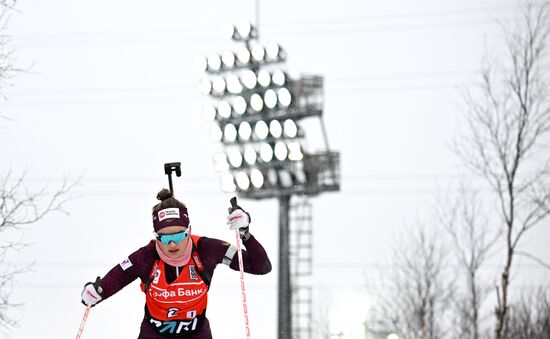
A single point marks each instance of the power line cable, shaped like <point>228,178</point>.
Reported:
<point>205,178</point>
<point>187,96</point>
<point>201,36</point>
<point>183,87</point>
<point>284,23</point>
<point>400,16</point>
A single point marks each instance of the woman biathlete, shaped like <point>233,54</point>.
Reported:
<point>176,269</point>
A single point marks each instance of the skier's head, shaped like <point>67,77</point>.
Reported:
<point>169,212</point>
<point>171,224</point>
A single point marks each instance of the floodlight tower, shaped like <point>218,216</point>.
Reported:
<point>257,113</point>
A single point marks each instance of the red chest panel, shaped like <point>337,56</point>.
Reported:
<point>185,298</point>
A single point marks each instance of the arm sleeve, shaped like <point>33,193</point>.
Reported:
<point>255,259</point>
<point>137,265</point>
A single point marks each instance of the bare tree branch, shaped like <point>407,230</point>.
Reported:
<point>8,69</point>
<point>509,121</point>
<point>466,223</point>
<point>534,258</point>
<point>419,290</point>
<point>530,316</point>
<point>21,206</point>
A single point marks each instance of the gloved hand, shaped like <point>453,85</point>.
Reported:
<point>91,294</point>
<point>238,219</point>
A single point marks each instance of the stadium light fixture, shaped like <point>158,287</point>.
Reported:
<point>250,154</point>
<point>214,62</point>
<point>234,85</point>
<point>218,85</point>
<point>281,152</point>
<point>257,113</point>
<point>205,86</point>
<point>275,129</point>
<point>261,130</point>
<point>224,109</point>
<point>270,98</point>
<point>230,133</point>
<point>235,157</point>
<point>239,105</point>
<point>257,178</point>
<point>279,78</point>
<point>216,133</point>
<point>290,129</point>
<point>264,78</point>
<point>243,182</point>
<point>245,131</point>
<point>258,52</point>
<point>201,63</point>
<point>266,152</point>
<point>243,56</point>
<point>209,112</point>
<point>256,102</point>
<point>220,162</point>
<point>228,59</point>
<point>249,79</point>
<point>284,96</point>
<point>244,28</point>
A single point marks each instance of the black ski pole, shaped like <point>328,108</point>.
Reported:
<point>168,169</point>
<point>233,202</point>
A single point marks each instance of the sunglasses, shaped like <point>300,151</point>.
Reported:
<point>175,237</point>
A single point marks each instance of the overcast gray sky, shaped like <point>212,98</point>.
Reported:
<point>112,95</point>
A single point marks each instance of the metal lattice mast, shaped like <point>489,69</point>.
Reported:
<point>301,253</point>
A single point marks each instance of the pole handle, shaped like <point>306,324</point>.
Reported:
<point>233,203</point>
